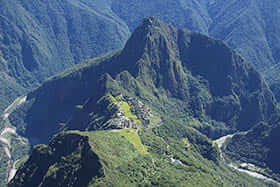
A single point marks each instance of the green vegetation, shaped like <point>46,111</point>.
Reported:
<point>132,136</point>
<point>47,46</point>
<point>157,78</point>
<point>123,165</point>
<point>19,150</point>
<point>34,46</point>
<point>124,108</point>
<point>179,90</point>
<point>259,146</point>
<point>60,165</point>
<point>38,56</point>
<point>8,92</point>
<point>154,120</point>
<point>3,169</point>
<point>271,76</point>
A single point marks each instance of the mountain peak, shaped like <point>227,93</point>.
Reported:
<point>150,21</point>
<point>205,76</point>
<point>146,31</point>
<point>152,39</point>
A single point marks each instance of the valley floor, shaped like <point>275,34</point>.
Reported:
<point>221,142</point>
<point>6,137</point>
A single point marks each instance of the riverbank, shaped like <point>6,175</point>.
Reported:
<point>236,166</point>
<point>7,134</point>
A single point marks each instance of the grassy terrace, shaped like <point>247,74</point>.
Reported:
<point>132,136</point>
<point>116,148</point>
<point>124,108</point>
<point>126,163</point>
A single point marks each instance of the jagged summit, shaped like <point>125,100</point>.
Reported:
<point>170,69</point>
<point>164,90</point>
<point>151,34</point>
<point>151,21</point>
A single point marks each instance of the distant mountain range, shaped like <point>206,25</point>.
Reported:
<point>150,102</point>
<point>39,39</point>
<point>163,94</point>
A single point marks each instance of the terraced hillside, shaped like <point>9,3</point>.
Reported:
<point>41,38</point>
<point>159,100</point>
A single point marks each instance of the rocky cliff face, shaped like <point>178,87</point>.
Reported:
<point>145,104</point>
<point>38,39</point>
<point>68,160</point>
<point>249,27</point>
<point>169,154</point>
<point>160,64</point>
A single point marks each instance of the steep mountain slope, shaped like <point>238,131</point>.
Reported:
<point>111,158</point>
<point>182,14</point>
<point>165,68</point>
<point>40,38</point>
<point>74,151</point>
<point>9,87</point>
<point>163,85</point>
<point>259,146</point>
<point>250,26</point>
<point>271,76</point>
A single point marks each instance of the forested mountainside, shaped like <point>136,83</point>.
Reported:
<point>218,85</point>
<point>250,26</point>
<point>158,101</point>
<point>259,147</point>
<point>272,77</point>
<point>40,38</point>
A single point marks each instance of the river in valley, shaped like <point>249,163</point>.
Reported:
<point>6,133</point>
<point>220,143</point>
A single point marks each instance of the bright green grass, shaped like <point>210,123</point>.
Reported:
<point>125,166</point>
<point>132,136</point>
<point>154,120</point>
<point>124,108</point>
<point>113,99</point>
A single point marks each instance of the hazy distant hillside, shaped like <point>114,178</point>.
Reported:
<point>143,115</point>
<point>218,87</point>
<point>40,38</point>
<point>250,26</point>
